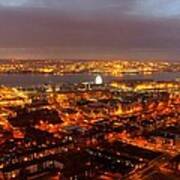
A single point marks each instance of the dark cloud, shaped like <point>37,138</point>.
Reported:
<point>90,28</point>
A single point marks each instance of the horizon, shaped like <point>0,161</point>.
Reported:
<point>146,60</point>
<point>37,54</point>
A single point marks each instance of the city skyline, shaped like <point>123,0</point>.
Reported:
<point>90,29</point>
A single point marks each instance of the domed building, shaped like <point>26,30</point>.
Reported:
<point>96,84</point>
<point>98,80</point>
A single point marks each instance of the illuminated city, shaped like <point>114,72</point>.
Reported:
<point>120,128</point>
<point>89,90</point>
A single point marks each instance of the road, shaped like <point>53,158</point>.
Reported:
<point>149,168</point>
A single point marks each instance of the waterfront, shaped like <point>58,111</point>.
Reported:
<point>29,79</point>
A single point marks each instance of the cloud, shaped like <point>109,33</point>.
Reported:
<point>87,26</point>
<point>157,8</point>
<point>138,7</point>
<point>13,3</point>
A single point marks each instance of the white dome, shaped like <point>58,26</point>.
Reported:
<point>98,80</point>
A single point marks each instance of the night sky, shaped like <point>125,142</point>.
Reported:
<point>90,28</point>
